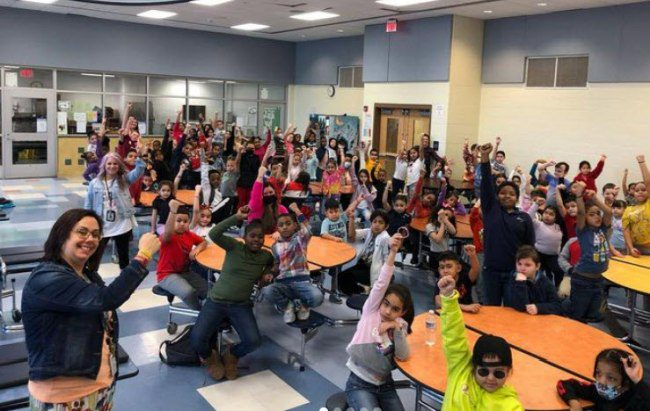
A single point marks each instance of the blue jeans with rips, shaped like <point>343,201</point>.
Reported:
<point>301,293</point>
<point>363,396</point>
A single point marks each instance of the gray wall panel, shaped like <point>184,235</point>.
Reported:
<point>375,54</point>
<point>77,42</point>
<point>615,38</point>
<point>317,62</point>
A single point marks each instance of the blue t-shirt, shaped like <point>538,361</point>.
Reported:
<point>594,258</point>
<point>336,228</point>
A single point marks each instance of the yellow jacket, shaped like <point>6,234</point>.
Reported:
<point>463,392</point>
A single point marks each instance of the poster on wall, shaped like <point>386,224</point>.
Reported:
<point>271,117</point>
<point>340,127</point>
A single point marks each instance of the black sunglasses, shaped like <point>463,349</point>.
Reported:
<point>484,372</point>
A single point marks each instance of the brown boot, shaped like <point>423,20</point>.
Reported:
<point>230,363</point>
<point>215,366</point>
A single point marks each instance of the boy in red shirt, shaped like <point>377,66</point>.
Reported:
<point>176,251</point>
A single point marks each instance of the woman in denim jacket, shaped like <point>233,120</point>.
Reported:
<point>71,327</point>
<point>108,196</point>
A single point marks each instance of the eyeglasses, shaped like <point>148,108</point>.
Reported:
<point>85,233</point>
<point>484,372</point>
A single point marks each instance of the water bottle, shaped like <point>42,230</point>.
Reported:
<point>431,328</point>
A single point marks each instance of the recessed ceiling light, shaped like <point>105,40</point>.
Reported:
<point>250,27</point>
<point>209,2</point>
<point>302,35</point>
<point>487,11</point>
<point>402,3</point>
<point>314,15</point>
<point>42,1</point>
<point>156,14</point>
<point>542,4</point>
<point>339,31</point>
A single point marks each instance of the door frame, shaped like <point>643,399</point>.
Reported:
<point>8,169</point>
<point>377,115</point>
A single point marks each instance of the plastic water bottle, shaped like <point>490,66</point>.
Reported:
<point>431,328</point>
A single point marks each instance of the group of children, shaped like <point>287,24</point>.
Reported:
<point>541,243</point>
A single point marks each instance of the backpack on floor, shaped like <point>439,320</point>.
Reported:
<point>179,351</point>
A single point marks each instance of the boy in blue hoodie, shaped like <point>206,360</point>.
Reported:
<point>530,290</point>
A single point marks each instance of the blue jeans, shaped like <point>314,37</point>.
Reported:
<point>213,314</point>
<point>495,286</point>
<point>363,396</point>
<point>189,287</point>
<point>307,294</point>
<point>585,299</point>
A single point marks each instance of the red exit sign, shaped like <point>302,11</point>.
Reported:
<point>391,26</point>
<point>26,73</point>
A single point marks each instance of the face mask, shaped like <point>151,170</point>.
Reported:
<point>607,392</point>
<point>269,200</point>
<point>347,164</point>
<point>249,151</point>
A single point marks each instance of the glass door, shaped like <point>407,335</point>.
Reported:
<point>29,133</point>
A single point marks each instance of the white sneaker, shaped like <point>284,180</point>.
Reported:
<point>302,313</point>
<point>289,314</point>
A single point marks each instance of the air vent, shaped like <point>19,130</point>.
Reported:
<point>351,77</point>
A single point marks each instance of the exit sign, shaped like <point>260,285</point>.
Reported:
<point>391,26</point>
<point>26,73</point>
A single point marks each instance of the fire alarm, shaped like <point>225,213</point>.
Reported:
<point>365,109</point>
<point>391,26</point>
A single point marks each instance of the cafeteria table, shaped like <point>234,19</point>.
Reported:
<point>533,379</point>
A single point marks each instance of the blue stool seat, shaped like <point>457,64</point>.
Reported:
<point>158,290</point>
<point>356,301</point>
<point>315,320</point>
<point>308,329</point>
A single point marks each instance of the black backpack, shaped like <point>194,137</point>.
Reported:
<point>179,351</point>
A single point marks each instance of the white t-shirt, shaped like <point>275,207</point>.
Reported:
<point>120,225</point>
<point>203,232</point>
<point>413,172</point>
<point>401,167</point>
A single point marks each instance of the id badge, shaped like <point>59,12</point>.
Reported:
<point>110,216</point>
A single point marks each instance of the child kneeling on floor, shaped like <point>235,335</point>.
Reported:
<point>475,380</point>
<point>292,290</point>
<point>380,337</point>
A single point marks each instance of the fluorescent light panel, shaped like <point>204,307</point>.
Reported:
<point>42,1</point>
<point>250,27</point>
<point>314,15</point>
<point>156,14</point>
<point>403,3</point>
<point>210,2</point>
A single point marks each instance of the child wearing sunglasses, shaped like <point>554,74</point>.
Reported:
<point>618,386</point>
<point>380,337</point>
<point>476,380</point>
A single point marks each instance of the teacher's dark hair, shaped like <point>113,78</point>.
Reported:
<point>60,233</point>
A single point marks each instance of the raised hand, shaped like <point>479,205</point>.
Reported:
<point>173,205</point>
<point>486,149</point>
<point>633,368</point>
<point>447,285</point>
<point>470,250</point>
<point>148,245</point>
<point>242,213</point>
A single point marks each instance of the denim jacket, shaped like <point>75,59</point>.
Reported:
<point>63,318</point>
<point>95,198</point>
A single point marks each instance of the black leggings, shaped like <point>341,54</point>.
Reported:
<point>552,268</point>
<point>122,245</point>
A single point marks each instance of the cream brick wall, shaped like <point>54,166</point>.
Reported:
<point>570,124</point>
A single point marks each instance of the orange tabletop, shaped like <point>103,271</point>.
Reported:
<point>212,257</point>
<point>533,379</point>
<point>633,277</point>
<point>462,219</point>
<point>324,253</point>
<point>643,261</point>
<point>315,188</point>
<point>463,231</point>
<point>184,196</point>
<point>562,341</point>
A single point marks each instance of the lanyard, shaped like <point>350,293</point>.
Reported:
<point>109,191</point>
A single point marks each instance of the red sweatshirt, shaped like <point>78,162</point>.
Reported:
<point>415,206</point>
<point>476,224</point>
<point>590,179</point>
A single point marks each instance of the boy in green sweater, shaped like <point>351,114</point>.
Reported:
<point>244,265</point>
<point>475,380</point>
